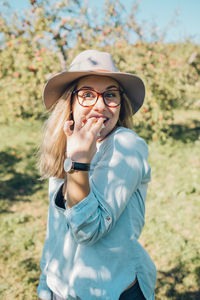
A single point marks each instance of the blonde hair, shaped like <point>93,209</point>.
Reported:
<point>52,151</point>
<point>53,146</point>
<point>126,113</point>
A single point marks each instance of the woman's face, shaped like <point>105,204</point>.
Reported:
<point>100,109</point>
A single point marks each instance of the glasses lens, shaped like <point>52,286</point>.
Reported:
<point>112,97</point>
<point>87,97</point>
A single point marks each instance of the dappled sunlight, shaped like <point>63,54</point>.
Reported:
<point>38,43</point>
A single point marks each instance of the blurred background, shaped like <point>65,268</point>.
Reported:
<point>160,42</point>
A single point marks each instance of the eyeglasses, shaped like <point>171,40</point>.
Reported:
<point>89,97</point>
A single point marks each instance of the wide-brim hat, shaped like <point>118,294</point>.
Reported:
<point>93,62</point>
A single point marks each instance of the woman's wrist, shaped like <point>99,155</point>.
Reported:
<point>80,157</point>
<point>77,187</point>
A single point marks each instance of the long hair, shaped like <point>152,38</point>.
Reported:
<point>52,152</point>
<point>53,147</point>
<point>126,113</point>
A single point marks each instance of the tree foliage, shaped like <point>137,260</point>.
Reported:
<point>47,36</point>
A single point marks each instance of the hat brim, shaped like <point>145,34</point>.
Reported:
<point>131,84</point>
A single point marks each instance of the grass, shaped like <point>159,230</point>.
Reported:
<point>23,206</point>
<point>172,225</point>
<point>171,234</point>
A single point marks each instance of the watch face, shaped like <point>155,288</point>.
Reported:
<point>67,164</point>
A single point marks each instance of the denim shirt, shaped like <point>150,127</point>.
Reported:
<point>91,250</point>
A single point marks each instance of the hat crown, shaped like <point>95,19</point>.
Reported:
<point>93,60</point>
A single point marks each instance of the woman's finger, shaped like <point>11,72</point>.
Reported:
<point>99,126</point>
<point>102,127</point>
<point>67,129</point>
<point>95,125</point>
<point>80,123</point>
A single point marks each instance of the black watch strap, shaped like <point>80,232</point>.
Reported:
<point>80,166</point>
<point>70,165</point>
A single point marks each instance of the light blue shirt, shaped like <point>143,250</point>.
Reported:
<point>91,250</point>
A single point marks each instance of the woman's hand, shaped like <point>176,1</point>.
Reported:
<point>81,147</point>
<point>81,141</point>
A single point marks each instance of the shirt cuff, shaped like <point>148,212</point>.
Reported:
<point>82,211</point>
<point>44,293</point>
<point>81,218</point>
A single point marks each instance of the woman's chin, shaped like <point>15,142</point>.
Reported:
<point>104,133</point>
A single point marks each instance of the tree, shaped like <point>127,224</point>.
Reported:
<point>43,41</point>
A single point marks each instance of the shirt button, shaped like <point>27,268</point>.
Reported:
<point>108,218</point>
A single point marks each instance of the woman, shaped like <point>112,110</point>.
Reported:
<point>98,174</point>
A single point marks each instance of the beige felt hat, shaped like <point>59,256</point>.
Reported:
<point>93,62</point>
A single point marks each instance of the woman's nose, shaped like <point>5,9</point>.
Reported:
<point>100,105</point>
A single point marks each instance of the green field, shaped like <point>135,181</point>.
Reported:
<point>171,234</point>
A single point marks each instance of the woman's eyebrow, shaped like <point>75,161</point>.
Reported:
<point>107,88</point>
<point>112,86</point>
<point>86,87</point>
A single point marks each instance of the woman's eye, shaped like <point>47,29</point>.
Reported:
<point>110,95</point>
<point>88,95</point>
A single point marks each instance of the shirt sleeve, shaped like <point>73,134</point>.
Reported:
<point>43,290</point>
<point>123,167</point>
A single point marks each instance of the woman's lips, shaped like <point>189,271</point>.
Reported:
<point>104,121</point>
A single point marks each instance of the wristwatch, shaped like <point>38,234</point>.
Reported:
<point>70,165</point>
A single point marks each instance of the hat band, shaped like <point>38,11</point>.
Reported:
<point>99,70</point>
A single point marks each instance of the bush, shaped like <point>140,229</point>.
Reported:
<point>168,77</point>
<point>24,69</point>
<point>40,45</point>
